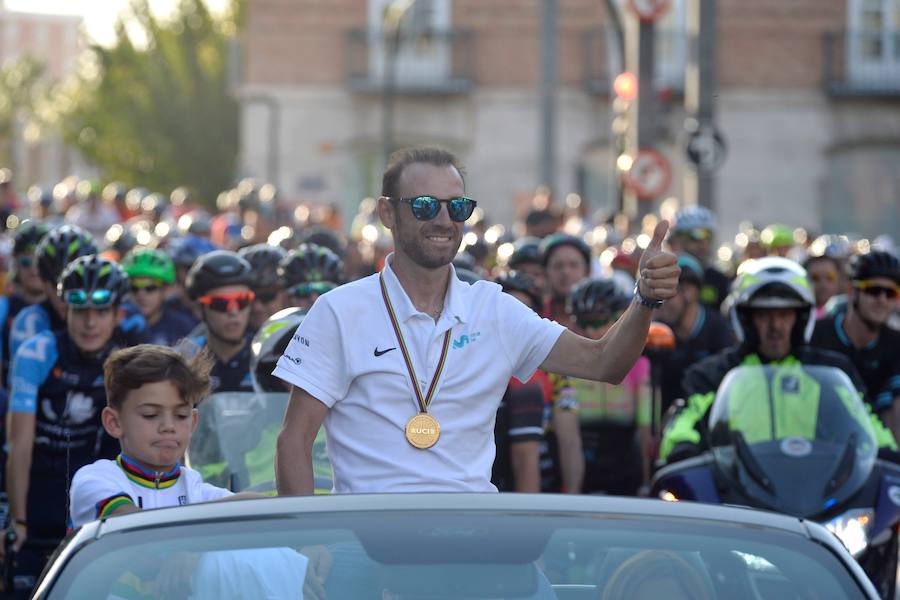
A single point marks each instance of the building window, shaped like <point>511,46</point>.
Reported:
<point>671,44</point>
<point>873,40</point>
<point>422,54</point>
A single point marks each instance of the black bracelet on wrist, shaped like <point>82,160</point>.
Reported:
<point>643,301</point>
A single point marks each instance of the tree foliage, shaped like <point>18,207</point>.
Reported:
<point>160,114</point>
<point>22,90</point>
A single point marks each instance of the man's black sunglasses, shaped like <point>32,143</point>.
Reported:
<point>425,208</point>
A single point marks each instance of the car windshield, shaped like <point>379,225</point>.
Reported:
<point>234,444</point>
<point>795,438</point>
<point>431,554</point>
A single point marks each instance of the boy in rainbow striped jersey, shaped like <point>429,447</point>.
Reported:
<point>151,393</point>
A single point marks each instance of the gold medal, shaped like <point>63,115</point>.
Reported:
<point>423,431</point>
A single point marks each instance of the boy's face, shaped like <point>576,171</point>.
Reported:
<point>154,425</point>
<point>148,295</point>
<point>91,328</point>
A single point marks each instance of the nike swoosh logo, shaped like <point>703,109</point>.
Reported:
<point>380,352</point>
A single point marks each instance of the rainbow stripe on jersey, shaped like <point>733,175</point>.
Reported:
<point>155,480</point>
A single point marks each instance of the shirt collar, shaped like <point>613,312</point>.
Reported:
<point>454,300</point>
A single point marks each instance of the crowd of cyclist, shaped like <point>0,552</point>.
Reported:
<point>91,269</point>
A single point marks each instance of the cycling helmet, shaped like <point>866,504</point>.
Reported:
<point>830,246</point>
<point>185,251</point>
<point>514,281</point>
<point>84,280</point>
<point>196,222</point>
<point>264,259</point>
<point>526,251</point>
<point>557,240</point>
<point>694,217</point>
<point>327,238</point>
<point>119,239</point>
<point>217,269</point>
<point>40,196</point>
<point>60,247</point>
<point>28,235</point>
<point>596,296</point>
<point>691,270</point>
<point>309,263</point>
<point>147,262</point>
<point>875,264</point>
<point>777,236</point>
<point>269,344</point>
<point>771,282</point>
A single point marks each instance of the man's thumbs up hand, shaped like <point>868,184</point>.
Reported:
<point>658,269</point>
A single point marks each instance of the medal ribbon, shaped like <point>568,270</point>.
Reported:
<point>423,401</point>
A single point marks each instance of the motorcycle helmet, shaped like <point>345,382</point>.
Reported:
<point>264,259</point>
<point>28,235</point>
<point>217,269</point>
<point>771,282</point>
<point>91,281</point>
<point>309,263</point>
<point>514,281</point>
<point>150,263</point>
<point>596,296</point>
<point>875,264</point>
<point>269,344</point>
<point>60,247</point>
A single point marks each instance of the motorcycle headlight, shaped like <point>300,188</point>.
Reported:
<point>852,528</point>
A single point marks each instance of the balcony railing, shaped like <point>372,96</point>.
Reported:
<point>861,63</point>
<point>671,58</point>
<point>436,62</point>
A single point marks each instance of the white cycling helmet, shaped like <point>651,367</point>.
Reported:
<point>694,217</point>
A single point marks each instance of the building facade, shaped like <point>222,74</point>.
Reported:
<point>808,101</point>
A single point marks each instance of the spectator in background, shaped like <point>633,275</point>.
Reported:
<point>267,284</point>
<point>91,213</point>
<point>9,201</point>
<point>528,260</point>
<point>567,262</point>
<point>825,277</point>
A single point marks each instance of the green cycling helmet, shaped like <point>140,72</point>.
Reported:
<point>150,263</point>
<point>777,236</point>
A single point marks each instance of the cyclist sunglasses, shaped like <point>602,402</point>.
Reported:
<point>144,286</point>
<point>227,302</point>
<point>85,299</point>
<point>425,208</point>
<point>871,288</point>
<point>25,260</point>
<point>828,276</point>
<point>305,290</point>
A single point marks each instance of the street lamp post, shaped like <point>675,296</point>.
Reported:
<point>393,18</point>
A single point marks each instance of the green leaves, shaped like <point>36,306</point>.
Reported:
<point>159,114</point>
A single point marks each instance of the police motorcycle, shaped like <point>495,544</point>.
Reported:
<point>798,440</point>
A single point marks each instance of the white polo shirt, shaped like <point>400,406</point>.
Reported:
<point>333,357</point>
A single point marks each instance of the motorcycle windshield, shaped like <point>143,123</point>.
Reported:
<point>792,438</point>
<point>234,444</point>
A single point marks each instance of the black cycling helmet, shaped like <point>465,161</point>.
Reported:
<point>875,264</point>
<point>309,263</point>
<point>60,247</point>
<point>514,281</point>
<point>327,238</point>
<point>269,344</point>
<point>594,296</point>
<point>28,235</point>
<point>557,240</point>
<point>217,269</point>
<point>526,251</point>
<point>91,281</point>
<point>264,259</point>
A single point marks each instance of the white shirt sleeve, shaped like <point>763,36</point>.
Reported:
<point>315,360</point>
<point>200,491</point>
<point>95,493</point>
<point>527,339</point>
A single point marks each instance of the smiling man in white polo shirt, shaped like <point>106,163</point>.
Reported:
<point>407,368</point>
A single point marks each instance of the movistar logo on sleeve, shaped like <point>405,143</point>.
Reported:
<point>466,339</point>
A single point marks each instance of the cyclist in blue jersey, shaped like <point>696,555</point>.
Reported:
<point>56,400</point>
<point>264,259</point>
<point>150,272</point>
<point>219,282</point>
<point>56,249</point>
<point>308,272</point>
<point>28,288</point>
<point>184,252</point>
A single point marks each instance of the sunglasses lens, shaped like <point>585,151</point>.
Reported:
<point>25,261</point>
<point>889,293</point>
<point>97,298</point>
<point>76,297</point>
<point>425,208</point>
<point>144,288</point>
<point>228,302</point>
<point>460,209</point>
